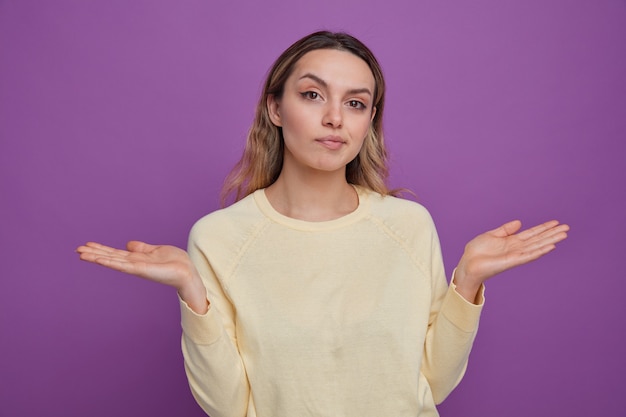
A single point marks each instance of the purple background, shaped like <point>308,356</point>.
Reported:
<point>119,120</point>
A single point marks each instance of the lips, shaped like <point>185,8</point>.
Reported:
<point>331,142</point>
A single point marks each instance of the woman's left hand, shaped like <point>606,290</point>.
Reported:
<point>503,248</point>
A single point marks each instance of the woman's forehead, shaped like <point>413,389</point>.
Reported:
<point>334,67</point>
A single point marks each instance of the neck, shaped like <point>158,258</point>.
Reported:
<point>319,196</point>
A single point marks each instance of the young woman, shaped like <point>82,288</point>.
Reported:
<point>319,293</point>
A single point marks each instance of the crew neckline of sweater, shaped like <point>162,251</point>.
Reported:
<point>269,211</point>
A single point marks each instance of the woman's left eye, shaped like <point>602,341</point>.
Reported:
<point>356,104</point>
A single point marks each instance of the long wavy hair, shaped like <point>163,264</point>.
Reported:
<point>262,159</point>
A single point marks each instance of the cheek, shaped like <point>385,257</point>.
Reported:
<point>295,121</point>
<point>363,129</point>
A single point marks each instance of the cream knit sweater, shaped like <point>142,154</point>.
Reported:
<point>351,317</point>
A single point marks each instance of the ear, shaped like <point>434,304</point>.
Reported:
<point>373,114</point>
<point>273,105</point>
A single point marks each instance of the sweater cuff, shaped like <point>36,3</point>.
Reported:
<point>203,329</point>
<point>460,312</point>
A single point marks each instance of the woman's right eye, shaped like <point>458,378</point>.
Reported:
<point>311,95</point>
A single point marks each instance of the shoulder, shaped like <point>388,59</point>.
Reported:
<point>232,220</point>
<point>406,221</point>
<point>398,211</point>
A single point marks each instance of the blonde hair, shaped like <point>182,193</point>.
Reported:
<point>262,158</point>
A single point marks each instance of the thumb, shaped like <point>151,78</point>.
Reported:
<point>137,246</point>
<point>507,229</point>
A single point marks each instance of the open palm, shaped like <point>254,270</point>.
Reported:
<point>503,248</point>
<point>160,263</point>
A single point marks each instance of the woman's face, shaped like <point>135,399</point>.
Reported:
<point>325,110</point>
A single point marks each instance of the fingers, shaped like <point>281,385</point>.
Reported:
<point>550,238</point>
<point>536,230</point>
<point>540,240</point>
<point>107,256</point>
<point>547,230</point>
<point>91,250</point>
<point>163,264</point>
<point>101,254</point>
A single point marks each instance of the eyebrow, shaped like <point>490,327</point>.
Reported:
<point>325,84</point>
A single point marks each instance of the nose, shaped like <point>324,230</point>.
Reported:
<point>333,116</point>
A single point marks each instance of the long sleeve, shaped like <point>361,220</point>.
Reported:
<point>448,344</point>
<point>213,364</point>
<point>451,331</point>
<point>350,317</point>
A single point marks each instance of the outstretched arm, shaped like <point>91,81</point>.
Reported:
<point>159,263</point>
<point>501,249</point>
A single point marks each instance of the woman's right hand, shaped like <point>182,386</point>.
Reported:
<point>159,263</point>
